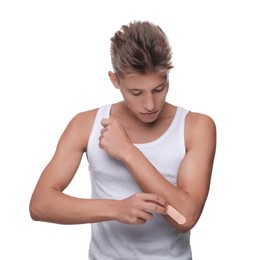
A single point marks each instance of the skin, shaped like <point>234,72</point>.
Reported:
<point>142,116</point>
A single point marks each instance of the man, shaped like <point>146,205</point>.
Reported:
<point>150,161</point>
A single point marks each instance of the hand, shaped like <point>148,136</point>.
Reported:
<point>137,208</point>
<point>113,139</point>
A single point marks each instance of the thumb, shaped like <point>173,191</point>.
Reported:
<point>106,122</point>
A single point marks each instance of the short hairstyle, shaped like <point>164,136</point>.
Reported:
<point>140,47</point>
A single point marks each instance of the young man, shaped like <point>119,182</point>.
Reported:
<point>150,161</point>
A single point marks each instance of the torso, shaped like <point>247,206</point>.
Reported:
<point>112,180</point>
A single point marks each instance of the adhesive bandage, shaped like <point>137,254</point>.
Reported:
<point>174,214</point>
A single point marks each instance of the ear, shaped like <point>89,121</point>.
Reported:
<point>113,78</point>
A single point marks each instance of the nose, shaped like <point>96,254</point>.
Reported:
<point>149,103</point>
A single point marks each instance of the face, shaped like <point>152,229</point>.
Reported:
<point>144,95</point>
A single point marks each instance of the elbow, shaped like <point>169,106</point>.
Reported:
<point>187,226</point>
<point>36,210</point>
<point>191,217</point>
<point>189,223</point>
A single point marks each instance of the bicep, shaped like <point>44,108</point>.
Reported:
<point>63,166</point>
<point>196,169</point>
<point>61,169</point>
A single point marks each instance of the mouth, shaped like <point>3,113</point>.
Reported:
<point>149,114</point>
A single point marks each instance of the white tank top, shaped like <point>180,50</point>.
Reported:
<point>110,179</point>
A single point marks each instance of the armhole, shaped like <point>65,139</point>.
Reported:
<point>185,112</point>
<point>102,112</point>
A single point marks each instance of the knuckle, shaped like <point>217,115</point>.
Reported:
<point>157,197</point>
<point>154,207</point>
<point>138,195</point>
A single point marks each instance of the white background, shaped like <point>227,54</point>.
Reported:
<point>54,59</point>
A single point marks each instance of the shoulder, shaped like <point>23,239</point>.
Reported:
<point>85,117</point>
<point>195,119</point>
<point>200,127</point>
<point>79,128</point>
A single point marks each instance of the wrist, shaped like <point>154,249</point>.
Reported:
<point>114,209</point>
<point>130,155</point>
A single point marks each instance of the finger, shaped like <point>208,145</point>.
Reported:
<point>140,221</point>
<point>105,122</point>
<point>145,215</point>
<point>156,208</point>
<point>149,197</point>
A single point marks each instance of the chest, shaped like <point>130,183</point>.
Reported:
<point>140,134</point>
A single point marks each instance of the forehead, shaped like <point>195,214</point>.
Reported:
<point>138,81</point>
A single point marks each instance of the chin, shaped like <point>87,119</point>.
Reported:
<point>148,120</point>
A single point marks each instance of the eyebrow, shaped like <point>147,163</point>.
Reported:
<point>138,89</point>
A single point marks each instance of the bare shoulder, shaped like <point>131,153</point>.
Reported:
<point>202,120</point>
<point>79,128</point>
<point>200,127</point>
<point>84,118</point>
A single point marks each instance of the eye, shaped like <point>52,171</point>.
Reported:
<point>136,93</point>
<point>159,89</point>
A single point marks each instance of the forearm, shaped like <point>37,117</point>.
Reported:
<point>151,181</point>
<point>57,207</point>
<point>64,209</point>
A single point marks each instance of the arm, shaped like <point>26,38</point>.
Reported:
<point>190,194</point>
<point>50,204</point>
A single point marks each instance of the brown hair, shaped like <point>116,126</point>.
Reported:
<point>140,47</point>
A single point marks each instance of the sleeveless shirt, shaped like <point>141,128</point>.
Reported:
<point>110,179</point>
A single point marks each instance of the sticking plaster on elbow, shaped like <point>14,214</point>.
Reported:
<point>174,214</point>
